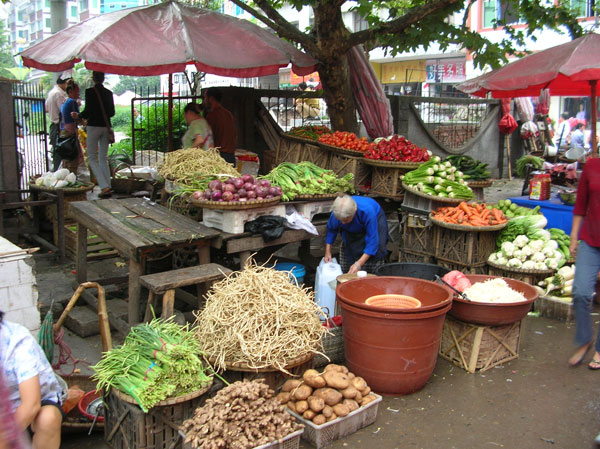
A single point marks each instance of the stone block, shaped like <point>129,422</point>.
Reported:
<point>83,322</point>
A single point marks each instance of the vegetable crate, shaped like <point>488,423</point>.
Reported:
<point>233,221</point>
<point>325,434</point>
<point>417,233</point>
<point>526,276</point>
<point>292,441</point>
<point>479,348</point>
<point>315,154</point>
<point>289,151</point>
<point>385,181</point>
<point>52,211</point>
<point>463,247</point>
<point>342,164</point>
<point>554,308</point>
<point>409,256</point>
<point>96,247</point>
<point>419,204</point>
<point>126,426</point>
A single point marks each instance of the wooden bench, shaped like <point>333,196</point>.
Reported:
<point>166,282</point>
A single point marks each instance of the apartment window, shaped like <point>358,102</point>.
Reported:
<point>83,5</point>
<point>20,16</point>
<point>495,10</point>
<point>21,34</point>
<point>584,8</point>
<point>46,3</point>
<point>360,23</point>
<point>48,24</point>
<point>95,4</point>
<point>74,11</point>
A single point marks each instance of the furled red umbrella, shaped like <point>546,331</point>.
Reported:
<point>507,125</point>
<point>165,38</point>
<point>373,106</point>
<point>568,69</point>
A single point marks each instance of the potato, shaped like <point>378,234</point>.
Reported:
<point>366,391</point>
<point>315,382</point>
<point>350,375</point>
<point>329,395</point>
<point>351,404</point>
<point>359,383</point>
<point>290,384</point>
<point>327,411</point>
<point>309,414</point>
<point>334,367</point>
<point>336,380</point>
<point>332,417</point>
<point>358,397</point>
<point>283,397</point>
<point>350,392</point>
<point>316,404</point>
<point>319,420</point>
<point>367,399</point>
<point>340,410</point>
<point>302,392</point>
<point>301,407</point>
<point>291,405</point>
<point>309,373</point>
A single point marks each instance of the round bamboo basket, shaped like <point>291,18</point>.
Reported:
<point>169,401</point>
<point>341,150</point>
<point>234,205</point>
<point>320,196</point>
<point>548,272</point>
<point>433,197</point>
<point>482,183</point>
<point>68,190</point>
<point>243,366</point>
<point>467,228</point>
<point>392,164</point>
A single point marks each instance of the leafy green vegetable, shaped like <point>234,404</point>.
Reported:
<point>520,226</point>
<point>528,159</point>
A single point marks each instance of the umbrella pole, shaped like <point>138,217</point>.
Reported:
<point>507,139</point>
<point>170,114</point>
<point>594,118</point>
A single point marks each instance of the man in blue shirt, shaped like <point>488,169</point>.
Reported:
<point>364,231</point>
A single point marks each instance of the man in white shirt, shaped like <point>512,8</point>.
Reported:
<point>564,129</point>
<point>56,97</point>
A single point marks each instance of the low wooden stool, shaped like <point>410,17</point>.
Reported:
<point>166,282</point>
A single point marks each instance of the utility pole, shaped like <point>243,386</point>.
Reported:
<point>58,18</point>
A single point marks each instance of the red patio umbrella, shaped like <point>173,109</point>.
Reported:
<point>568,69</point>
<point>164,38</point>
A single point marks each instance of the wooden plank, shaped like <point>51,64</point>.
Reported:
<point>256,242</point>
<point>169,218</point>
<point>161,282</point>
<point>81,253</point>
<point>123,239</point>
<point>135,271</point>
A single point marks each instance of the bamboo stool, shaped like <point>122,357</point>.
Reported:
<point>166,282</point>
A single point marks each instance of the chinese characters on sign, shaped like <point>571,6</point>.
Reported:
<point>446,71</point>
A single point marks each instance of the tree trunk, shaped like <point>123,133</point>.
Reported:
<point>332,36</point>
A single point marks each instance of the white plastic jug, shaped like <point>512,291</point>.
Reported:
<point>324,292</point>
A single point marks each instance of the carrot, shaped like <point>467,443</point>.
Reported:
<point>497,214</point>
<point>466,208</point>
<point>485,213</point>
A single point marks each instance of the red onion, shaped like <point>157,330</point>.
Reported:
<point>264,183</point>
<point>214,185</point>
<point>248,186</point>
<point>198,195</point>
<point>248,178</point>
<point>242,193</point>
<point>216,195</point>
<point>229,188</point>
<point>227,196</point>
<point>238,183</point>
<point>251,194</point>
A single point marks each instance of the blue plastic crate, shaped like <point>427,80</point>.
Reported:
<point>559,215</point>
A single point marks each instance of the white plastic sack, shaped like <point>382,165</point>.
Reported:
<point>295,220</point>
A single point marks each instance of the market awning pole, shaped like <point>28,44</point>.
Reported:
<point>594,118</point>
<point>170,114</point>
<point>507,139</point>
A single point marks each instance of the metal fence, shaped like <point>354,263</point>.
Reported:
<point>31,132</point>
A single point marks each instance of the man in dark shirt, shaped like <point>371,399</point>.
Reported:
<point>222,124</point>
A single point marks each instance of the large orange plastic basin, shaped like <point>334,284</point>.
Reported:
<point>394,350</point>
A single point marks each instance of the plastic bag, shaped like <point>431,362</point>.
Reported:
<point>295,220</point>
<point>67,147</point>
<point>269,226</point>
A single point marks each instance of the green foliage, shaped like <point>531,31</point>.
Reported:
<point>121,150</point>
<point>6,58</point>
<point>82,76</point>
<point>153,122</point>
<point>137,83</point>
<point>121,121</point>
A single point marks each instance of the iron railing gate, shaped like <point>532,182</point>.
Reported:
<point>33,153</point>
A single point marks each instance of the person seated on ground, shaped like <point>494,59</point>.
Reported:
<point>222,124</point>
<point>309,108</point>
<point>364,229</point>
<point>199,134</point>
<point>578,136</point>
<point>34,393</point>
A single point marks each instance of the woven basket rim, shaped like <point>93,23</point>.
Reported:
<point>341,150</point>
<point>481,183</point>
<point>243,366</point>
<point>86,186</point>
<point>300,139</point>
<point>433,197</point>
<point>392,164</point>
<point>234,205</point>
<point>458,227</point>
<point>322,196</point>
<point>169,401</point>
<point>519,270</point>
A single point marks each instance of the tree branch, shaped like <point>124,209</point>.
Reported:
<point>467,11</point>
<point>412,17</point>
<point>279,24</point>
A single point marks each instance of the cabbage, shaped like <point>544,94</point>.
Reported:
<point>536,245</point>
<point>514,263</point>
<point>61,183</point>
<point>71,178</point>
<point>507,248</point>
<point>529,265</point>
<point>521,241</point>
<point>538,257</point>
<point>61,174</point>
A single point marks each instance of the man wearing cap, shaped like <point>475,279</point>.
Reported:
<point>56,97</point>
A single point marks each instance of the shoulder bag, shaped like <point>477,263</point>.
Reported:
<point>67,147</point>
<point>111,132</point>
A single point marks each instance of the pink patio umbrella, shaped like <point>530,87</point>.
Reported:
<point>165,38</point>
<point>572,68</point>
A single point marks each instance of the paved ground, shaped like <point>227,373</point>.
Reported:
<point>532,402</point>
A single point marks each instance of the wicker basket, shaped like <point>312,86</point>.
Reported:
<point>433,197</point>
<point>169,401</point>
<point>129,184</point>
<point>234,205</point>
<point>532,277</point>
<point>393,164</point>
<point>466,228</point>
<point>340,150</point>
<point>333,348</point>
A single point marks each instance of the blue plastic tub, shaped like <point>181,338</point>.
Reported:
<point>297,270</point>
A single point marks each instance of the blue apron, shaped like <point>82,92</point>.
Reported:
<point>355,242</point>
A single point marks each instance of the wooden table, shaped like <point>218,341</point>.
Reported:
<point>245,244</point>
<point>136,228</point>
